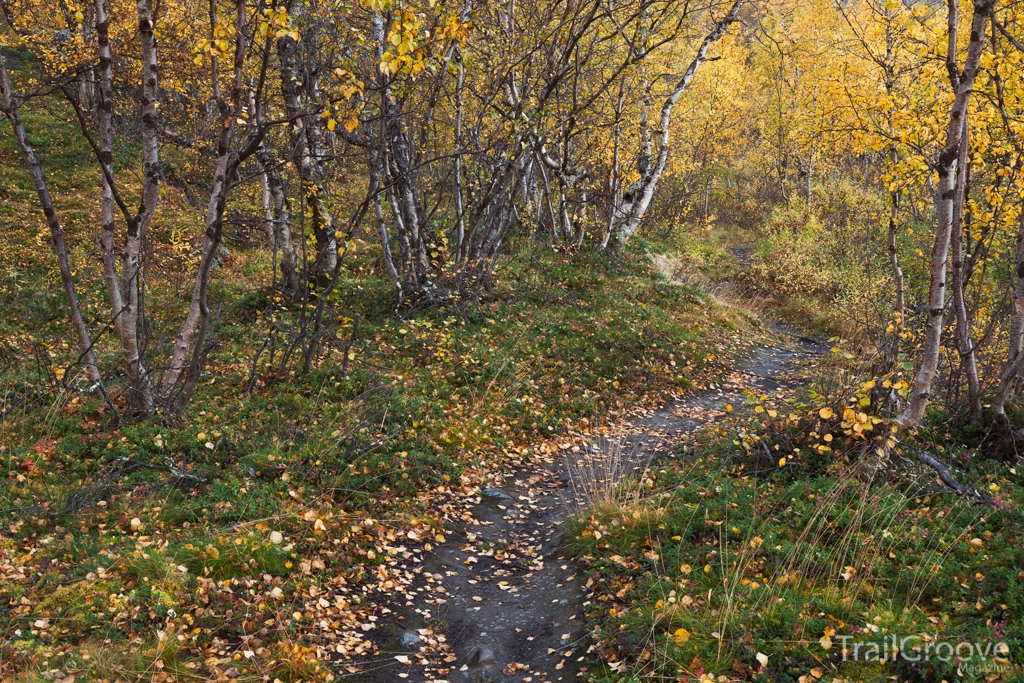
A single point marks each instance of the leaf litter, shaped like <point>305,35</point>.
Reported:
<point>496,599</point>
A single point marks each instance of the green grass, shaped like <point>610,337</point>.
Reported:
<point>216,527</point>
<point>724,555</point>
<point>152,527</point>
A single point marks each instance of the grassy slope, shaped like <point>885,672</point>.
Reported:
<point>112,536</point>
<point>714,566</point>
<point>726,555</point>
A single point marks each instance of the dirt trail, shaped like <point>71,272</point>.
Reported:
<point>497,601</point>
<point>763,369</point>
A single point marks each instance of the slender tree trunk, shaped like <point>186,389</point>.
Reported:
<point>108,228</point>
<point>1015,354</point>
<point>614,183</point>
<point>565,228</point>
<point>1009,379</point>
<point>194,329</point>
<point>405,246</point>
<point>894,194</point>
<point>382,225</point>
<point>946,166</point>
<point>808,188</point>
<point>460,219</point>
<point>389,262</point>
<point>132,284</point>
<point>279,218</point>
<point>645,154</point>
<point>125,291</point>
<point>268,215</point>
<point>635,203</point>
<point>581,224</point>
<point>1016,341</point>
<point>894,259</point>
<point>87,75</point>
<point>399,176</point>
<point>306,150</point>
<point>10,107</point>
<point>963,322</point>
<point>197,323</point>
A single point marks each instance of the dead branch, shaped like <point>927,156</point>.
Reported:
<point>951,482</point>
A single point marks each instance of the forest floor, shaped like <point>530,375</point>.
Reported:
<point>280,528</point>
<point>452,501</point>
<point>763,538</point>
<point>584,563</point>
<point>507,600</point>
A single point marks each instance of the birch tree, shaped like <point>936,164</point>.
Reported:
<point>9,105</point>
<point>961,81</point>
<point>628,214</point>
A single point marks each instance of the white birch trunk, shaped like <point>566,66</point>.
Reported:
<point>124,292</point>
<point>945,197</point>
<point>963,321</point>
<point>627,216</point>
<point>193,329</point>
<point>1015,353</point>
<point>307,152</point>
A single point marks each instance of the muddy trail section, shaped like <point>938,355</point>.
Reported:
<point>497,600</point>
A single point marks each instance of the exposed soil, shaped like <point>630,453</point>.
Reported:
<point>497,600</point>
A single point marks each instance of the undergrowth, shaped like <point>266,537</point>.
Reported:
<point>799,541</point>
<point>147,548</point>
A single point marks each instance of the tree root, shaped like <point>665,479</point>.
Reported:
<point>948,479</point>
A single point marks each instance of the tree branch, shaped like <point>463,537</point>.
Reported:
<point>951,482</point>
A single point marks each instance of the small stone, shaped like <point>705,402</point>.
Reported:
<point>492,492</point>
<point>553,544</point>
<point>409,640</point>
<point>231,673</point>
<point>480,656</point>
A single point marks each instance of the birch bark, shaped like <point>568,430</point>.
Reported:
<point>946,166</point>
<point>630,212</point>
<point>963,321</point>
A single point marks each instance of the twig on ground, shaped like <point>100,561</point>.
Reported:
<point>41,572</point>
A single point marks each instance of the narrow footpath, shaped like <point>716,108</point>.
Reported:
<point>497,600</point>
